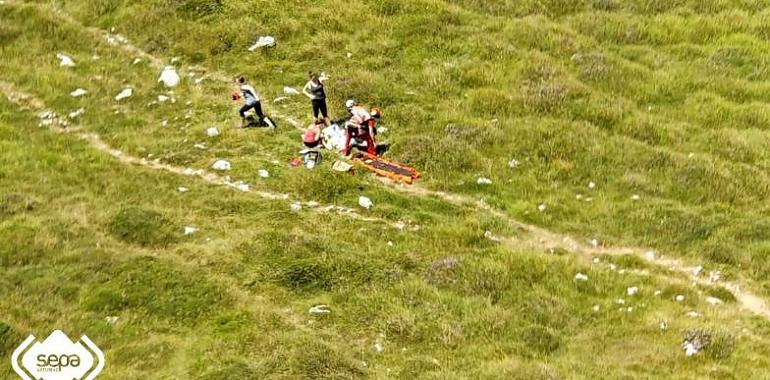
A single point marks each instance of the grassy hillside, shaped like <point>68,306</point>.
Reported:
<point>662,100</point>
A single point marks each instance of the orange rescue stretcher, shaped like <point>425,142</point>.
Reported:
<point>385,168</point>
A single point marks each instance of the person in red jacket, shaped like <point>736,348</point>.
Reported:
<point>361,126</point>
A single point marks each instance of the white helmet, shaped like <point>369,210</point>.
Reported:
<point>350,103</point>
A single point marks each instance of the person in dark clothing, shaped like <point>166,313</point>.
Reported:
<point>251,101</point>
<point>314,89</point>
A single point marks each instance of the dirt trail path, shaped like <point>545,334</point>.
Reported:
<point>534,237</point>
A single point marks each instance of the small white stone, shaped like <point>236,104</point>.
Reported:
<point>263,173</point>
<point>714,301</point>
<point>632,290</point>
<point>378,347</point>
<point>658,292</point>
<point>483,181</point>
<point>620,301</point>
<point>679,298</point>
<point>650,255</point>
<point>595,308</point>
<point>183,189</point>
<point>541,207</point>
<point>190,230</point>
<point>594,243</point>
<point>296,206</point>
<point>635,197</point>
<point>591,185</point>
<point>581,277</point>
<point>663,326</point>
<point>693,314</point>
<point>613,267</point>
<point>596,260</point>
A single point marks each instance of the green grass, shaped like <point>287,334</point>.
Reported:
<point>662,99</point>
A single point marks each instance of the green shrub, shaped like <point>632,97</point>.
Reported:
<point>9,339</point>
<point>540,339</point>
<point>144,227</point>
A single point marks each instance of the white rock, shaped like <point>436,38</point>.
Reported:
<point>578,196</point>
<point>183,189</point>
<point>693,314</point>
<point>169,77</point>
<point>390,243</point>
<point>378,347</point>
<point>136,61</point>
<point>290,91</point>
<point>663,326</point>
<point>263,41</point>
<point>296,206</point>
<point>581,277</point>
<point>65,60</point>
<point>163,98</point>
<point>319,309</point>
<point>312,204</point>
<point>350,55</point>
<point>597,260</point>
<point>658,292</point>
<point>613,267</point>
<point>78,92</point>
<point>595,308</point>
<point>620,301</point>
<point>242,187</point>
<point>111,320</point>
<point>200,146</point>
<point>679,298</point>
<point>164,123</point>
<point>484,181</point>
<point>650,255</point>
<point>263,173</point>
<point>591,185</point>
<point>76,114</point>
<point>714,301</point>
<point>635,197</point>
<point>212,132</point>
<point>541,207</point>
<point>632,290</point>
<point>697,270</point>
<point>714,277</point>
<point>365,202</point>
<point>190,230</point>
<point>689,349</point>
<point>594,243</point>
<point>513,163</point>
<point>221,165</point>
<point>126,93</point>
<point>629,309</point>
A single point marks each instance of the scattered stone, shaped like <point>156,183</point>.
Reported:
<point>65,61</point>
<point>663,326</point>
<point>578,196</point>
<point>597,260</point>
<point>200,146</point>
<point>212,132</point>
<point>650,255</point>
<point>76,114</point>
<point>169,77</point>
<point>126,93</point>
<point>693,314</point>
<point>378,348</point>
<point>183,189</point>
<point>390,243</point>
<point>635,197</point>
<point>484,181</point>
<point>714,301</point>
<point>541,207</point>
<point>190,230</point>
<point>319,309</point>
<point>629,309</point>
<point>365,202</point>
<point>658,292</point>
<point>581,277</point>
<point>221,165</point>
<point>312,204</point>
<point>290,91</point>
<point>591,185</point>
<point>78,93</point>
<point>594,243</point>
<point>136,61</point>
<point>620,301</point>
<point>595,308</point>
<point>632,290</point>
<point>263,173</point>
<point>296,206</point>
<point>263,41</point>
<point>513,163</point>
<point>714,277</point>
<point>111,320</point>
<point>163,98</point>
<point>697,271</point>
<point>244,187</point>
<point>613,267</point>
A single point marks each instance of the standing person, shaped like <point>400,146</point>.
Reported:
<point>314,89</point>
<point>360,125</point>
<point>251,100</point>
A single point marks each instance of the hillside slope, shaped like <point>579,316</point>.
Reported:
<point>663,102</point>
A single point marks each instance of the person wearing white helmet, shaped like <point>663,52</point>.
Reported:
<point>360,125</point>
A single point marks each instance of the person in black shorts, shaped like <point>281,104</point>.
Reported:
<point>314,89</point>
